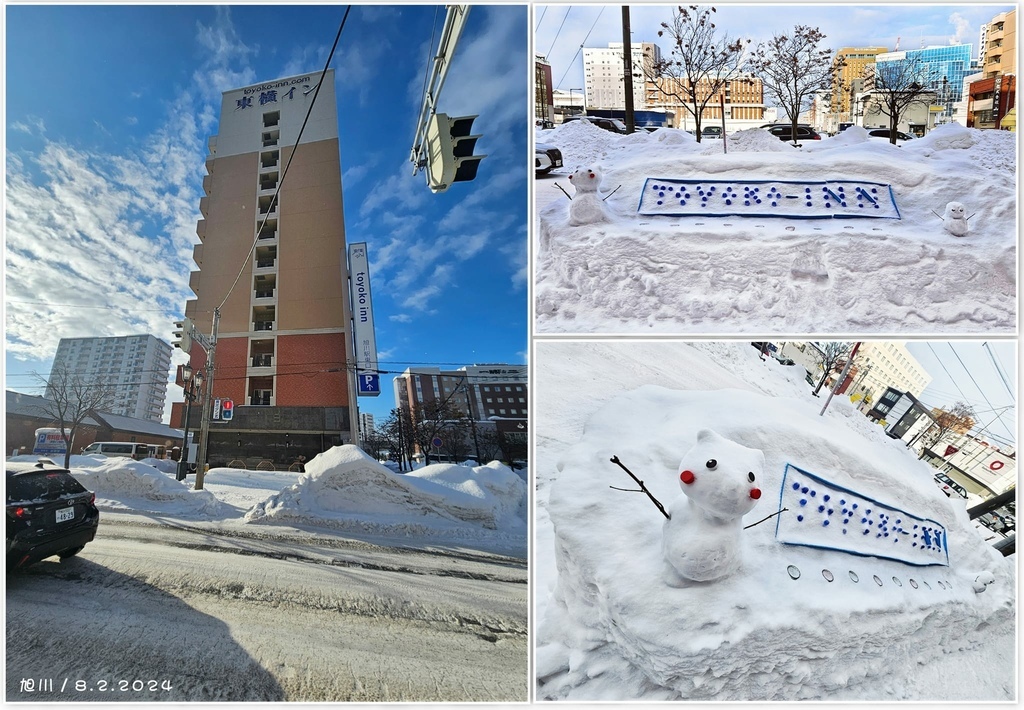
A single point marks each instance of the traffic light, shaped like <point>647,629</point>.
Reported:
<point>450,147</point>
<point>227,409</point>
<point>183,334</point>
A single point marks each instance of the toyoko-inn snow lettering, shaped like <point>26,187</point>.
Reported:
<point>812,199</point>
<point>824,515</point>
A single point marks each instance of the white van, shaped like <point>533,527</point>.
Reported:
<point>117,448</point>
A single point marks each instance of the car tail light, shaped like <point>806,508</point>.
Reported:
<point>19,512</point>
<point>92,498</point>
<point>817,138</point>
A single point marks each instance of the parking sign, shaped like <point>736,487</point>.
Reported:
<point>369,384</point>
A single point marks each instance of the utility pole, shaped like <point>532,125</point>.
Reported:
<point>627,63</point>
<point>842,378</point>
<point>207,403</point>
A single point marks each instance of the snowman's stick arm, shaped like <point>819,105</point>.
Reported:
<point>936,214</point>
<point>610,193</point>
<point>765,518</point>
<point>563,191</point>
<point>643,488</point>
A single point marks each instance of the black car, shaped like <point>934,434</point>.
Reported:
<point>884,133</point>
<point>547,158</point>
<point>784,131</point>
<point>48,513</point>
<point>609,124</point>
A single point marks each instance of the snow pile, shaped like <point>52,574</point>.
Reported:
<point>165,465</point>
<point>635,273</point>
<point>345,488</point>
<point>794,622</point>
<point>122,484</point>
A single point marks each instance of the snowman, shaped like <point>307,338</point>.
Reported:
<point>586,207</point>
<point>701,540</point>
<point>954,220</point>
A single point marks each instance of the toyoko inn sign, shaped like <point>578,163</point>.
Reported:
<point>362,320</point>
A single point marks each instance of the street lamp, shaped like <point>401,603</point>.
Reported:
<point>193,386</point>
<point>572,103</point>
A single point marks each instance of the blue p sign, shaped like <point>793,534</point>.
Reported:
<point>369,384</point>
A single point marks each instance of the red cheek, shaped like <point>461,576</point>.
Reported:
<point>570,177</point>
<point>591,176</point>
<point>755,493</point>
<point>687,477</point>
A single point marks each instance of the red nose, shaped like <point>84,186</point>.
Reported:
<point>755,493</point>
<point>570,177</point>
<point>687,477</point>
<point>591,176</point>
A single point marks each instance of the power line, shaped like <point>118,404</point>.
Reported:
<point>983,396</point>
<point>541,19</point>
<point>580,47</point>
<point>999,371</point>
<point>291,157</point>
<point>567,10</point>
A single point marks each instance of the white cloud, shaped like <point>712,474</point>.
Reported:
<point>401,318</point>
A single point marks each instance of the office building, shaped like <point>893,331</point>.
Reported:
<point>941,69</point>
<point>742,97</point>
<point>854,65</point>
<point>881,365</point>
<point>366,428</point>
<point>284,338</point>
<point>135,367</point>
<point>604,74</point>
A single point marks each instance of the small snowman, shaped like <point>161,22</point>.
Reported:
<point>586,207</point>
<point>954,220</point>
<point>701,540</point>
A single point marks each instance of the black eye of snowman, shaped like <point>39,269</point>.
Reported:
<point>751,476</point>
<point>712,464</point>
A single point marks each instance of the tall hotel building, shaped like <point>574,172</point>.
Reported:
<point>284,334</point>
<point>135,367</point>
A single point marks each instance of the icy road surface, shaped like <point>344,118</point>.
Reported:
<point>239,616</point>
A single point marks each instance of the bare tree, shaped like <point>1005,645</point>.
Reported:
<point>69,400</point>
<point>429,421</point>
<point>958,418</point>
<point>793,67</point>
<point>489,443</point>
<point>394,432</point>
<point>899,86</point>
<point>454,434</point>
<point>701,63</point>
<point>833,358</point>
<point>375,445</point>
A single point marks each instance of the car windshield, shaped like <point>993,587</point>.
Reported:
<point>41,486</point>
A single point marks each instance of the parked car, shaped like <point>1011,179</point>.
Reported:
<point>547,158</point>
<point>609,124</point>
<point>784,360</point>
<point>48,513</point>
<point>117,448</point>
<point>784,131</point>
<point>711,132</point>
<point>949,486</point>
<point>884,134</point>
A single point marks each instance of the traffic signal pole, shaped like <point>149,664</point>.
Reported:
<point>207,403</point>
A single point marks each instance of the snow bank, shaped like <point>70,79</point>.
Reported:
<point>637,273</point>
<point>615,630</point>
<point>122,484</point>
<point>345,488</point>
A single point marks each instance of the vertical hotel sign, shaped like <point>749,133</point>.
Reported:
<point>362,321</point>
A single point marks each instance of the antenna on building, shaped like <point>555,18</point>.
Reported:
<point>897,45</point>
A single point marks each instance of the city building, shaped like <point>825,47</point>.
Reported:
<point>743,98</point>
<point>941,69</point>
<point>883,365</point>
<point>277,271</point>
<point>366,428</point>
<point>854,66</point>
<point>492,394</point>
<point>921,116</point>
<point>604,72</point>
<point>983,468</point>
<point>997,50</point>
<point>544,103</point>
<point>135,367</point>
<point>990,100</point>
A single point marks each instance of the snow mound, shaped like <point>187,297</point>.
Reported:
<point>123,484</point>
<point>581,142</point>
<point>165,465</point>
<point>852,136</point>
<point>795,622</point>
<point>345,488</point>
<point>672,136</point>
<point>755,140</point>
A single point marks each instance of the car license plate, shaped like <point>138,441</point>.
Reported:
<point>66,514</point>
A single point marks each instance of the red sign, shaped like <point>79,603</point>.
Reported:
<point>949,451</point>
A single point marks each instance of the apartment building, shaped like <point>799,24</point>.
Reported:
<point>271,257</point>
<point>742,98</point>
<point>135,367</point>
<point>881,365</point>
<point>604,74</point>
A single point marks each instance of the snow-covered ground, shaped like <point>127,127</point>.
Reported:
<point>819,608</point>
<point>343,492</point>
<point>716,275</point>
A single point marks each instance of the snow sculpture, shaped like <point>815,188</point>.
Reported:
<point>586,207</point>
<point>954,220</point>
<point>701,539</point>
<point>982,581</point>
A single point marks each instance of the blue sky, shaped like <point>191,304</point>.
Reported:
<point>108,109</point>
<point>561,29</point>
